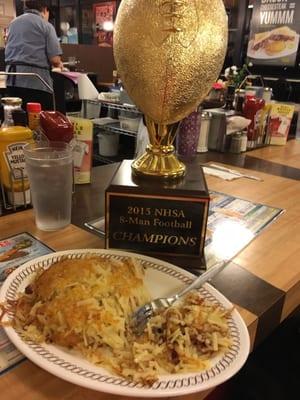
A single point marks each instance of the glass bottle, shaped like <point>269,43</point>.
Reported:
<point>13,173</point>
<point>229,97</point>
<point>239,97</point>
<point>10,104</point>
<point>251,110</point>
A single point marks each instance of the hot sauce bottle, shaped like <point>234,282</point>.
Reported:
<point>33,111</point>
<point>251,110</point>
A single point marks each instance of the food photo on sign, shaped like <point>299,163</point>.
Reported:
<point>104,14</point>
<point>274,35</point>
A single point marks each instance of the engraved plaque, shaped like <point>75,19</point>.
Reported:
<point>157,217</point>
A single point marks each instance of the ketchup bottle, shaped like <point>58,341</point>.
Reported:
<point>251,110</point>
<point>56,126</point>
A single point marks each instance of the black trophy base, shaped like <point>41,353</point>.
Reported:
<point>166,219</point>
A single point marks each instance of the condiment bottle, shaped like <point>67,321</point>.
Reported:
<point>12,163</point>
<point>267,94</point>
<point>56,126</point>
<point>33,111</point>
<point>9,105</point>
<point>229,97</point>
<point>251,110</point>
<point>239,97</point>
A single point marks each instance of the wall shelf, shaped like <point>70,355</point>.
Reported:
<point>115,128</point>
<point>116,106</point>
<point>127,138</point>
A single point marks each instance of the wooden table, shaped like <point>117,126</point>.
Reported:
<point>263,281</point>
<point>287,155</point>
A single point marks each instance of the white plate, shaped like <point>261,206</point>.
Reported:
<point>261,54</point>
<point>161,279</point>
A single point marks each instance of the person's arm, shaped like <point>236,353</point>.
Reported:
<point>53,49</point>
<point>5,36</point>
<point>56,62</point>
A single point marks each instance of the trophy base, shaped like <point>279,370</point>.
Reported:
<point>164,218</point>
<point>159,162</point>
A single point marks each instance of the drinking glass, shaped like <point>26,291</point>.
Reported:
<point>49,167</point>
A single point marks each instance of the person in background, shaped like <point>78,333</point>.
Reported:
<point>32,46</point>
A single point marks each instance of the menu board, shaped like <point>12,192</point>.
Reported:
<point>15,251</point>
<point>274,32</point>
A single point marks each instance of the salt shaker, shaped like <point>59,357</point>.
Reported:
<point>236,142</point>
<point>267,94</point>
<point>204,130</point>
<point>244,141</point>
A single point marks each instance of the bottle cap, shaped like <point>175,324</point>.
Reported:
<point>250,92</point>
<point>56,126</point>
<point>206,115</point>
<point>33,107</point>
<point>11,101</point>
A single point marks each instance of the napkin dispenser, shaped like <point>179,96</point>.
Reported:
<point>217,138</point>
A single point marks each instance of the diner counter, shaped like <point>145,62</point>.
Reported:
<point>263,281</point>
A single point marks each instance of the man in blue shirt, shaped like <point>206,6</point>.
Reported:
<point>32,46</point>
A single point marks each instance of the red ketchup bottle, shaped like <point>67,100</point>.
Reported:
<point>251,110</point>
<point>56,126</point>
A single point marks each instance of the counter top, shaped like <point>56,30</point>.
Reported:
<point>263,281</point>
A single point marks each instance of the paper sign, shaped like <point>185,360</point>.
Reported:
<point>279,122</point>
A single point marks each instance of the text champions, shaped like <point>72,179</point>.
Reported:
<point>158,239</point>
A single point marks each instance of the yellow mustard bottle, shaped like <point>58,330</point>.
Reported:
<point>12,163</point>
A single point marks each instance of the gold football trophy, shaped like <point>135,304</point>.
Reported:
<point>168,53</point>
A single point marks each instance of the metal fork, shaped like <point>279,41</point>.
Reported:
<point>141,316</point>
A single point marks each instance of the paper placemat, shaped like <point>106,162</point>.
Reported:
<point>15,251</point>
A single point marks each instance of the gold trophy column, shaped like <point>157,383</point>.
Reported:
<point>160,159</point>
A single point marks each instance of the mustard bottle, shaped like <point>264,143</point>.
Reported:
<point>12,163</point>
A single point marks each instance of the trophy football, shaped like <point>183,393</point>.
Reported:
<point>168,53</point>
